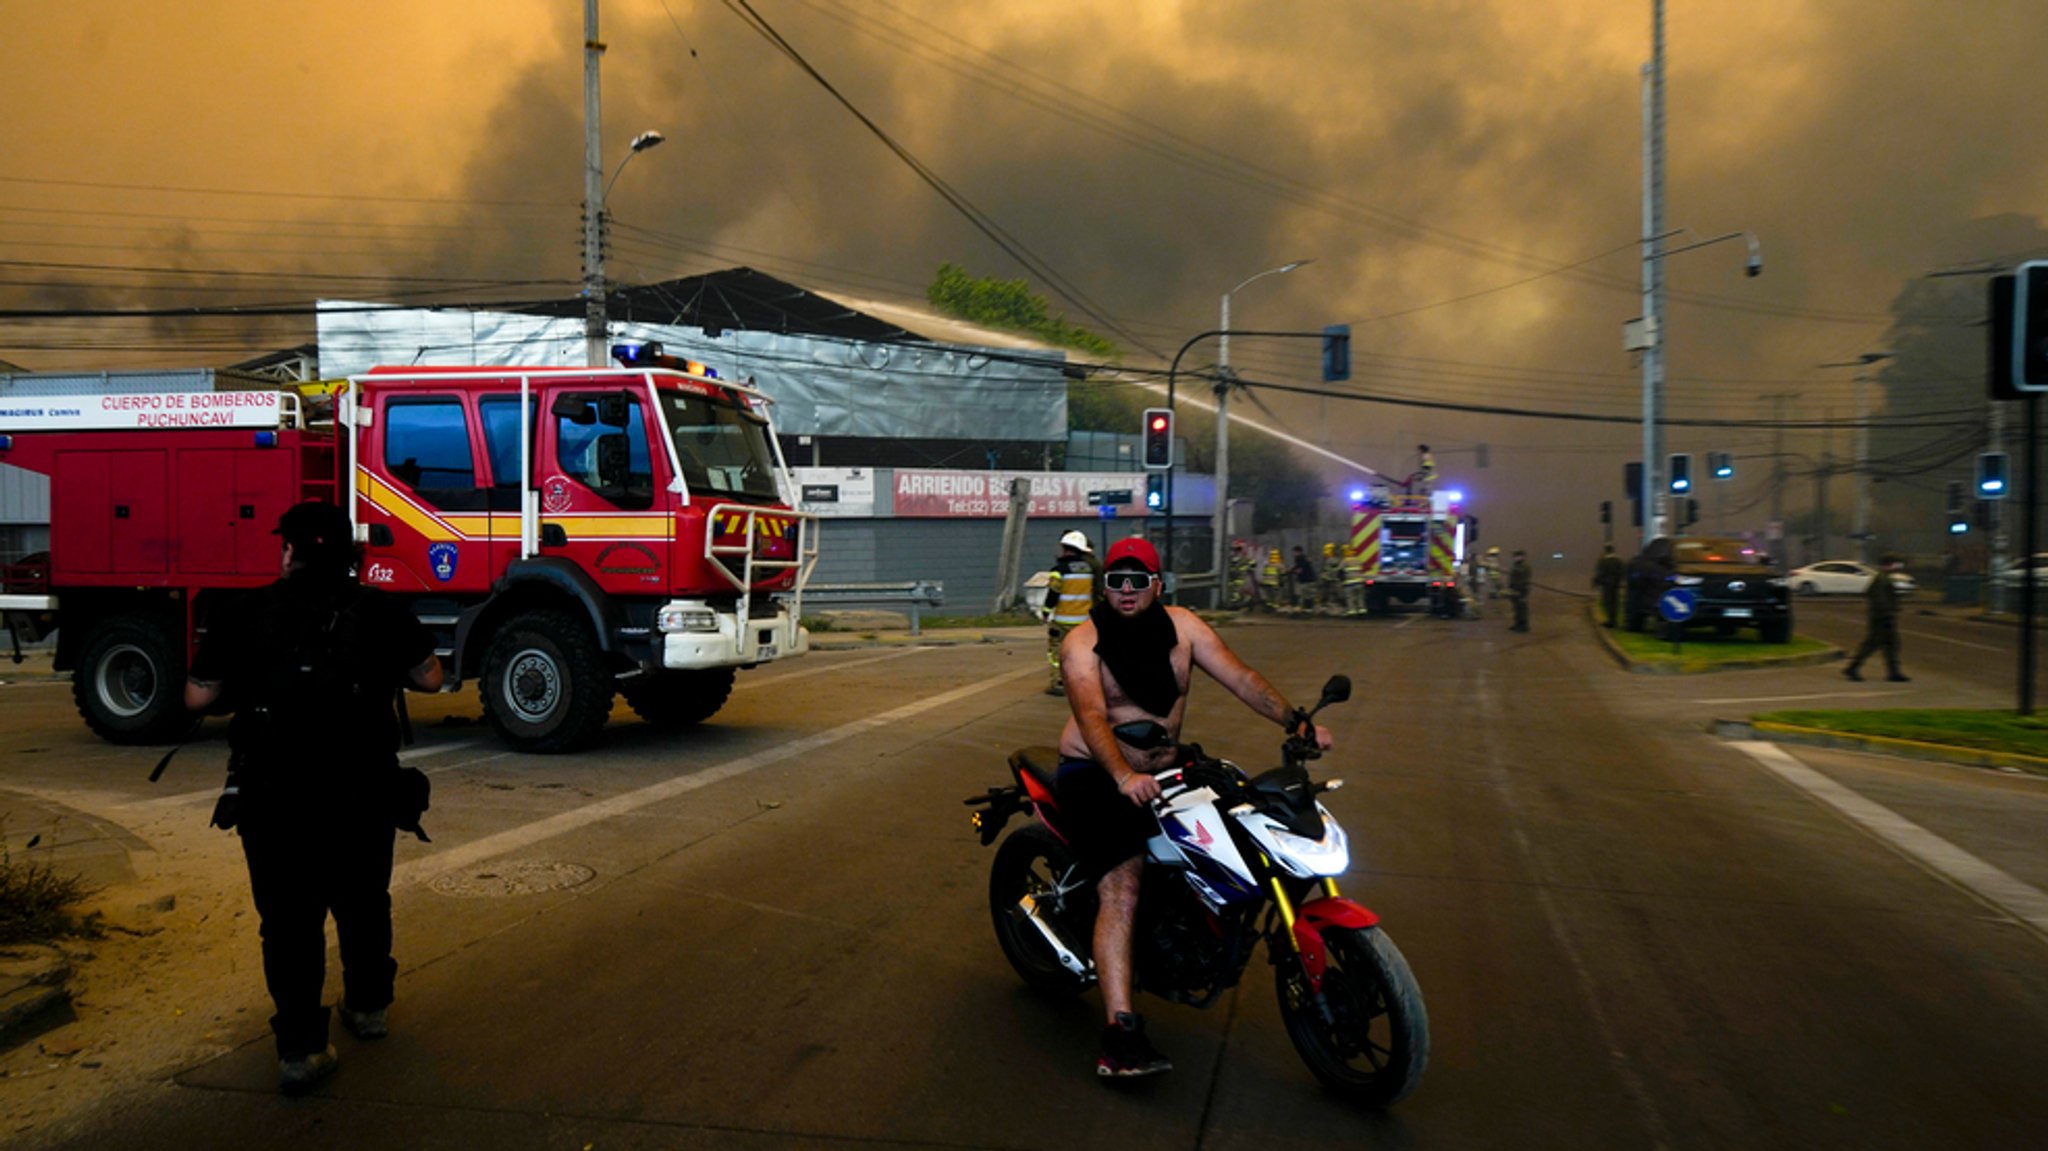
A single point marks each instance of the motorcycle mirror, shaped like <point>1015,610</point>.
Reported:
<point>1336,691</point>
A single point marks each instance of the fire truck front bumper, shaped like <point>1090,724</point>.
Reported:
<point>694,635</point>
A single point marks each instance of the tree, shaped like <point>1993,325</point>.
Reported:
<point>1010,305</point>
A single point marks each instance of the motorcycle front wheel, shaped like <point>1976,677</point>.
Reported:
<point>1373,1046</point>
<point>1035,870</point>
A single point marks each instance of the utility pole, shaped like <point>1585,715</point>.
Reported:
<point>1777,400</point>
<point>594,333</point>
<point>1653,279</point>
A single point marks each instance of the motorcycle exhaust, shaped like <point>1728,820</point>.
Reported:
<point>1028,908</point>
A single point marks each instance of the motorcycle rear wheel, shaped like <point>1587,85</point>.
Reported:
<point>1034,863</point>
<point>1377,1048</point>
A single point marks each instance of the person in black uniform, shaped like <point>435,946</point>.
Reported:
<point>311,667</point>
<point>1883,634</point>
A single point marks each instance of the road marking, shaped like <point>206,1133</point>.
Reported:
<point>826,669</point>
<point>1953,640</point>
<point>206,795</point>
<point>1999,889</point>
<point>1786,698</point>
<point>491,846</point>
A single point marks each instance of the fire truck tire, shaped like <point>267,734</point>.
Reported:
<point>130,683</point>
<point>546,687</point>
<point>680,698</point>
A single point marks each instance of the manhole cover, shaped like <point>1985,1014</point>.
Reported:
<point>525,877</point>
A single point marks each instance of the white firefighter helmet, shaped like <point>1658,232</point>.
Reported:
<point>1078,541</point>
<point>1493,551</point>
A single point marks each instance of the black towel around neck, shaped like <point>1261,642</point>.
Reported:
<point>1139,653</point>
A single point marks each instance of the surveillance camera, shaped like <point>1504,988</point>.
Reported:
<point>1755,266</point>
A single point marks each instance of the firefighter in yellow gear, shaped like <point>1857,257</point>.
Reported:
<point>1073,587</point>
<point>1244,591</point>
<point>1332,579</point>
<point>1354,582</point>
<point>1269,580</point>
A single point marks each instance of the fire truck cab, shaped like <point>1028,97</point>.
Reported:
<point>567,534</point>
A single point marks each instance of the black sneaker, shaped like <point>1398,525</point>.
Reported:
<point>1852,673</point>
<point>1895,678</point>
<point>1126,1053</point>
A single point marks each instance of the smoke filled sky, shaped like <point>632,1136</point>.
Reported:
<point>1465,174</point>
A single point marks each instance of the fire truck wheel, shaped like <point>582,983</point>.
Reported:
<point>680,698</point>
<point>546,687</point>
<point>130,683</point>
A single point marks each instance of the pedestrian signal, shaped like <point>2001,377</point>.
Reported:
<point>1155,493</point>
<point>1721,464</point>
<point>1691,510</point>
<point>1158,436</point>
<point>1681,474</point>
<point>1606,511</point>
<point>1991,483</point>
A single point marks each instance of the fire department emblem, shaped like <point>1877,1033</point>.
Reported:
<point>442,557</point>
<point>554,494</point>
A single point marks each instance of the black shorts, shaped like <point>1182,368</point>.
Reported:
<point>1099,822</point>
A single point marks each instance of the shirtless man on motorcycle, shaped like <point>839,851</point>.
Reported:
<point>1131,661</point>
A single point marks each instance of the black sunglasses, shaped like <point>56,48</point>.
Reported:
<point>1127,580</point>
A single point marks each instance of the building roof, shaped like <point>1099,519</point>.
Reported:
<point>738,299</point>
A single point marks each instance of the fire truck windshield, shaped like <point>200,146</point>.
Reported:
<point>723,449</point>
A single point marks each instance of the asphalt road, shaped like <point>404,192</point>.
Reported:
<point>1629,933</point>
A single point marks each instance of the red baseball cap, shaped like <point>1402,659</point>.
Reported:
<point>1134,549</point>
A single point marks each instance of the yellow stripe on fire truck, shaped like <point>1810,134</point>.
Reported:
<point>437,528</point>
<point>1365,538</point>
<point>1440,548</point>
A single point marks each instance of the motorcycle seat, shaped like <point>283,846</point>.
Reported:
<point>1041,763</point>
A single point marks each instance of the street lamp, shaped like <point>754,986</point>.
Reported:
<point>1861,363</point>
<point>1222,515</point>
<point>594,223</point>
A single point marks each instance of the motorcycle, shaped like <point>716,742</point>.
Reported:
<point>1238,859</point>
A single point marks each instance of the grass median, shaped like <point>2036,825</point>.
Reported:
<point>1703,652</point>
<point>2007,732</point>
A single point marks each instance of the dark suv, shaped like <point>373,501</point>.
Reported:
<point>1734,586</point>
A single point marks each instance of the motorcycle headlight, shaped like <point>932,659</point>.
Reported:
<point>1329,855</point>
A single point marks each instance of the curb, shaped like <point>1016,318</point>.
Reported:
<point>1882,745</point>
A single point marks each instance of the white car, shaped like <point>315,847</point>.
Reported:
<point>1840,577</point>
<point>2026,569</point>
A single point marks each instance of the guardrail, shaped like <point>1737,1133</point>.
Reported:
<point>914,594</point>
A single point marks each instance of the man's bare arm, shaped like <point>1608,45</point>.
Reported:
<point>1214,656</point>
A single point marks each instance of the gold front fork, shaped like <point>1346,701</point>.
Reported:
<point>1286,907</point>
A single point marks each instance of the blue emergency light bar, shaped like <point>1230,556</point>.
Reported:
<point>266,439</point>
<point>651,355</point>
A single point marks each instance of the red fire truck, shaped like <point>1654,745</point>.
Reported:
<point>568,535</point>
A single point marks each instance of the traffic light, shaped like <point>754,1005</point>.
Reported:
<point>1158,433</point>
<point>1957,524</point>
<point>1155,493</point>
<point>1632,480</point>
<point>1606,511</point>
<point>1691,510</point>
<point>1337,353</point>
<point>1681,473</point>
<point>1721,464</point>
<point>1991,483</point>
<point>2030,322</point>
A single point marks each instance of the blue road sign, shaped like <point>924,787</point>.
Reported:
<point>1106,511</point>
<point>1678,604</point>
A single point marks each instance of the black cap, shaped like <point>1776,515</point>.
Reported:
<point>315,526</point>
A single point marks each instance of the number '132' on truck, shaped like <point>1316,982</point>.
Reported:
<point>567,534</point>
